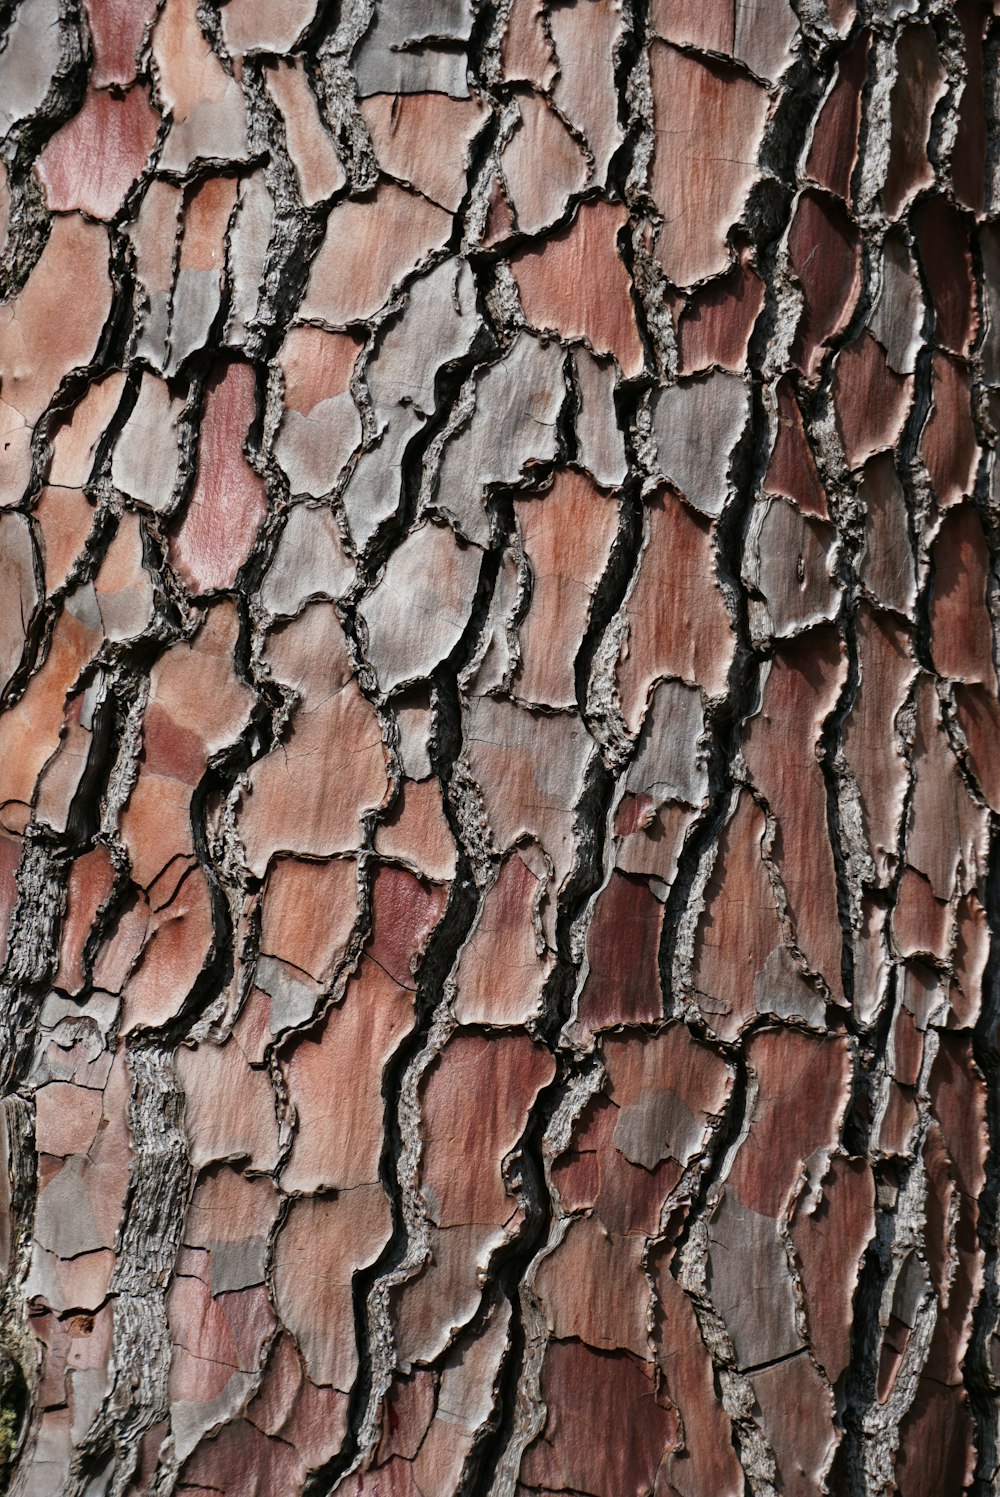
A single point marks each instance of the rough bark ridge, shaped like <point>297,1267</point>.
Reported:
<point>498,750</point>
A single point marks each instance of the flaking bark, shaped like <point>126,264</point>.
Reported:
<point>498,748</point>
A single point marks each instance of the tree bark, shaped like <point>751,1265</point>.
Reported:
<point>499,761</point>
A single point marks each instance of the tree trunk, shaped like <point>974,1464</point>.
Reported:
<point>499,761</point>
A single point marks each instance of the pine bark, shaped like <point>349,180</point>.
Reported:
<point>499,763</point>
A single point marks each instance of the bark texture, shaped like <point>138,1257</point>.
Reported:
<point>499,763</point>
